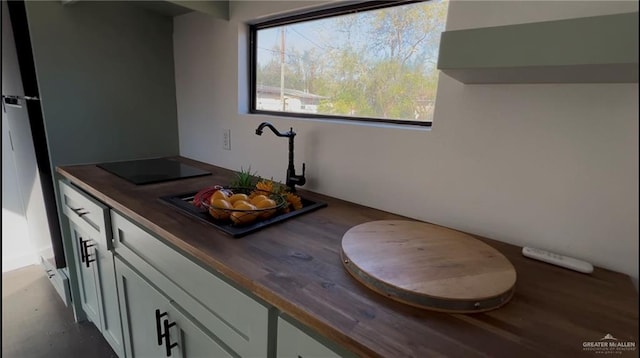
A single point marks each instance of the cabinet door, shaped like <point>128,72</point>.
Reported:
<point>194,340</point>
<point>97,286</point>
<point>154,326</point>
<point>138,304</point>
<point>108,296</point>
<point>85,262</point>
<point>232,316</point>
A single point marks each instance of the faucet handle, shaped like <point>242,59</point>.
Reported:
<point>300,179</point>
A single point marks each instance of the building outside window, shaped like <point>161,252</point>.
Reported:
<point>374,61</point>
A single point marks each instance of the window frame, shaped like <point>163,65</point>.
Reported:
<point>316,15</point>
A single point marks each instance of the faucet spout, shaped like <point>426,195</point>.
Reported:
<point>262,125</point>
<point>292,178</point>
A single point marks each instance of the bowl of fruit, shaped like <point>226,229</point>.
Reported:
<point>246,205</point>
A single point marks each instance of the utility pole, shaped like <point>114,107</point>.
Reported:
<point>282,31</point>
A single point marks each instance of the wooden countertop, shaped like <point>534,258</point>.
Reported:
<point>295,266</point>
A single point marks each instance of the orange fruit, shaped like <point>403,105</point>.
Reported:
<point>238,197</point>
<point>219,194</point>
<point>266,204</point>
<point>217,209</point>
<point>243,205</point>
<point>222,204</point>
<point>258,198</point>
<point>240,202</point>
<point>242,218</point>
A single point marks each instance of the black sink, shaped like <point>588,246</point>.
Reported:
<point>183,203</point>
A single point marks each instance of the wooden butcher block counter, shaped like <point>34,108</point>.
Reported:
<point>295,266</point>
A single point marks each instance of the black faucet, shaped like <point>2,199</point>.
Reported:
<point>292,178</point>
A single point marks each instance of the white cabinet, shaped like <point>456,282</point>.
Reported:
<point>294,343</point>
<point>226,321</point>
<point>93,263</point>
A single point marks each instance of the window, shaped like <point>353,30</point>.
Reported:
<point>374,61</point>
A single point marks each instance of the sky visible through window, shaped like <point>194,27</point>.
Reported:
<point>372,64</point>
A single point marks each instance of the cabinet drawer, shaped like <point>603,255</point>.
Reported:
<point>88,213</point>
<point>235,318</point>
<point>58,279</point>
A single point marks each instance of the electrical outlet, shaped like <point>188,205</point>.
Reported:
<point>226,136</point>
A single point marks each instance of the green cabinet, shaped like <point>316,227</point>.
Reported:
<point>294,343</point>
<point>108,297</point>
<point>138,302</point>
<point>86,273</point>
<point>213,318</point>
<point>93,263</point>
<point>58,278</point>
<point>151,300</point>
<point>597,49</point>
<point>155,326</point>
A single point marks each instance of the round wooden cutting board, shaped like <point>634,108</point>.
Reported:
<point>428,266</point>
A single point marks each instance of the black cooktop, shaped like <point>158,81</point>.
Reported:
<point>148,171</point>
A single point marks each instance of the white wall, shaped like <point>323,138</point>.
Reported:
<point>552,166</point>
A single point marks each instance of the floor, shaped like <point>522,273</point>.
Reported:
<point>36,323</point>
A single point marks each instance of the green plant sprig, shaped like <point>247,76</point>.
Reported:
<point>245,178</point>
